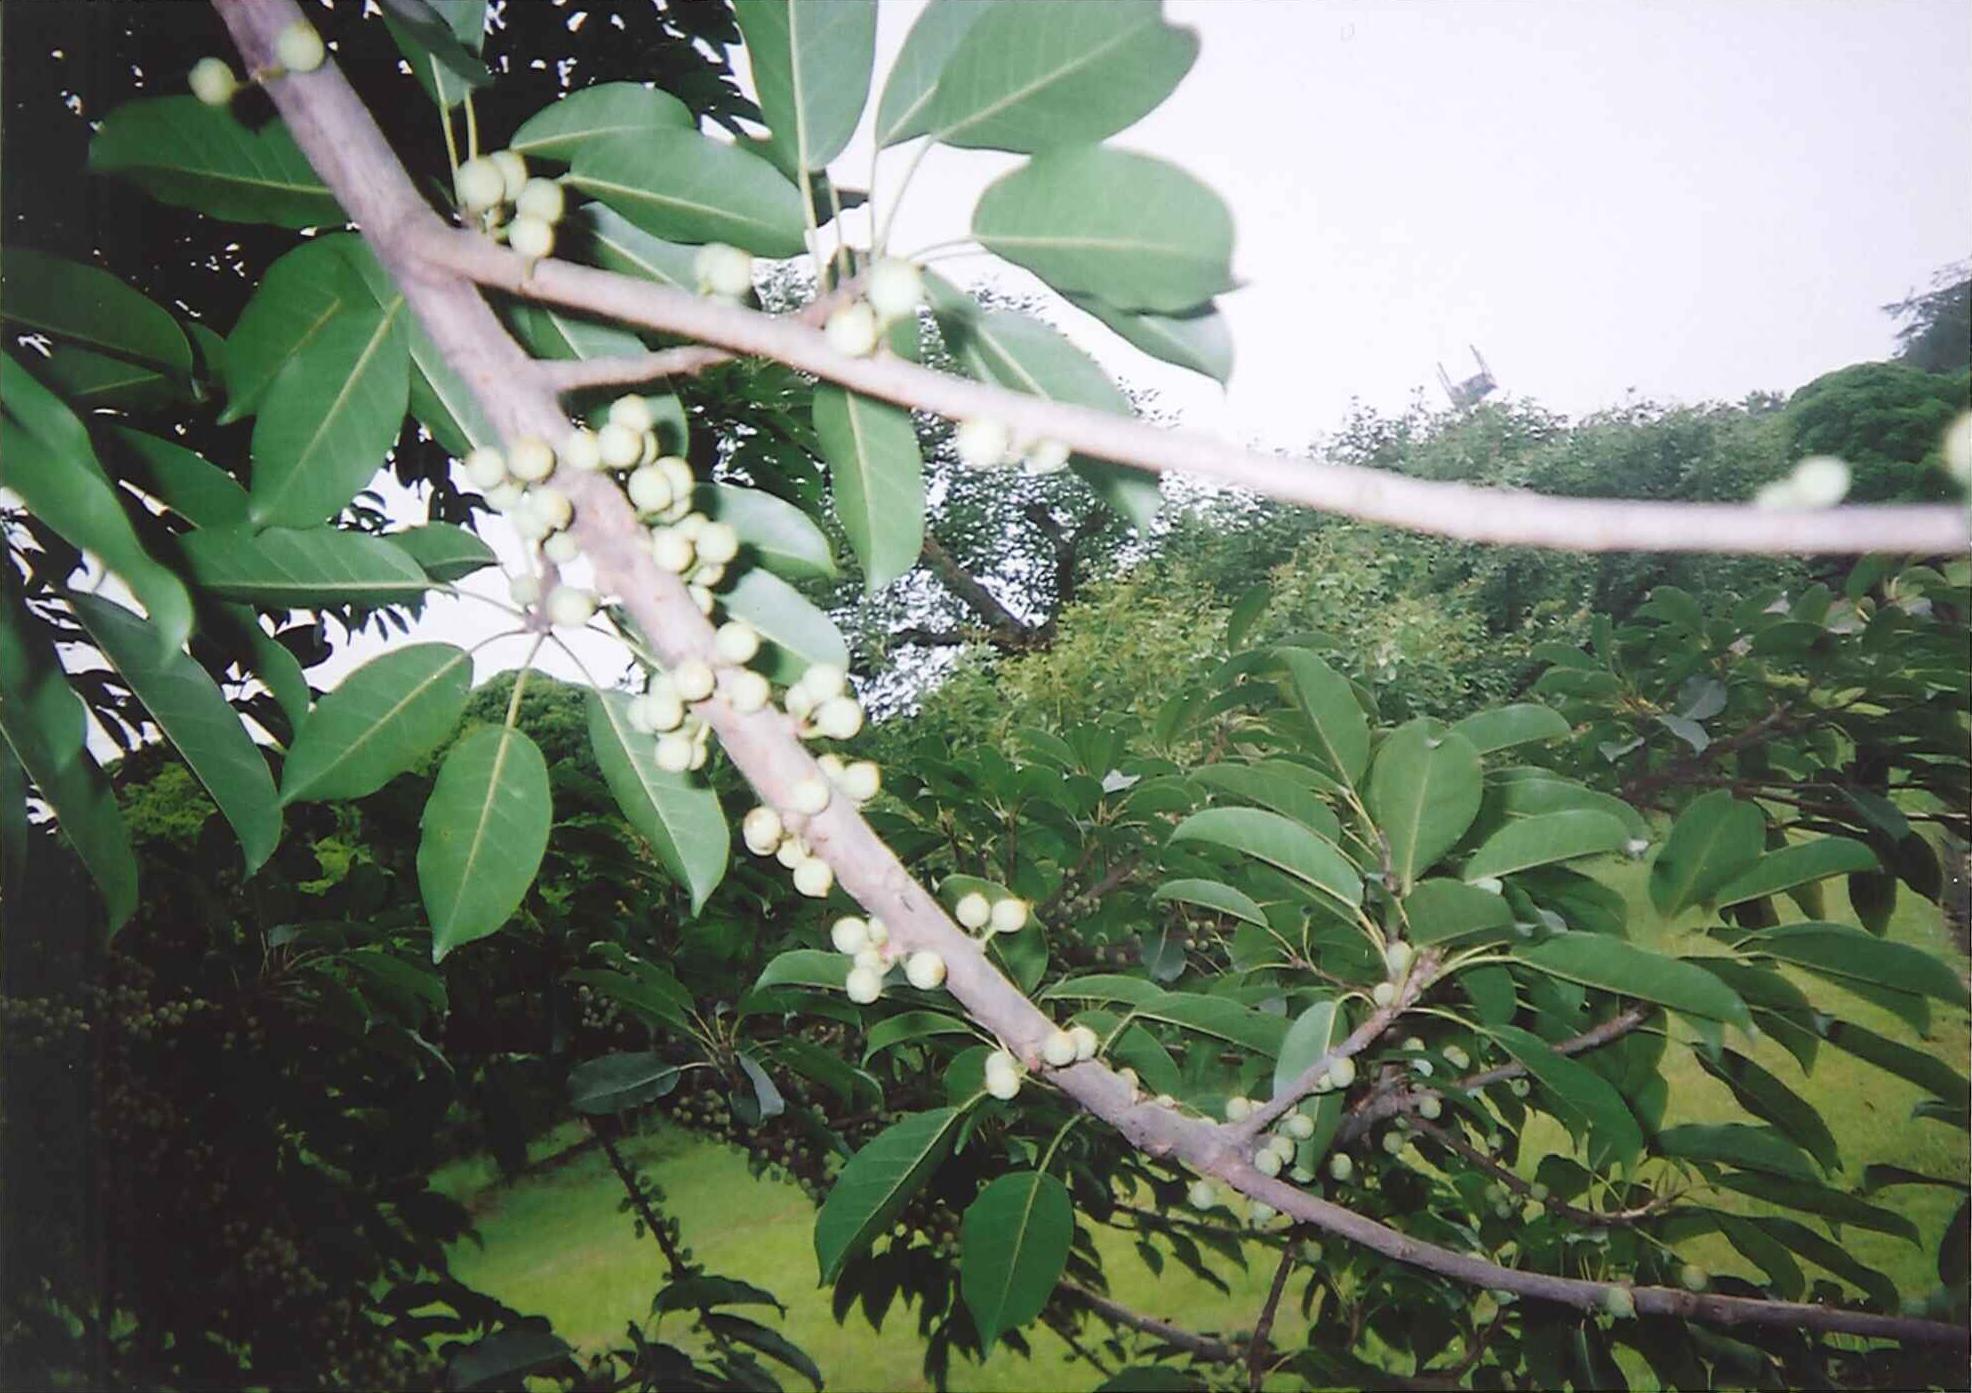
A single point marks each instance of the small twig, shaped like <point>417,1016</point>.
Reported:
<point>1198,1346</point>
<point>574,374</point>
<point>1258,1352</point>
<point>1588,1218</point>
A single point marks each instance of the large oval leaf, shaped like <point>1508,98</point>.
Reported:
<point>183,152</point>
<point>200,492</point>
<point>383,718</point>
<point>1212,895</point>
<point>620,245</point>
<point>89,306</point>
<point>904,110</point>
<point>1200,339</point>
<point>1279,842</point>
<point>678,814</point>
<point>1544,840</point>
<point>1424,791</point>
<point>682,186</point>
<point>608,109</point>
<point>1013,1245</point>
<point>484,830</point>
<point>1441,909</point>
<point>1582,1097</point>
<point>1308,1039</point>
<point>1503,727</point>
<point>1790,867</point>
<point>1329,702</point>
<point>779,535</point>
<point>301,568</point>
<point>618,1081</point>
<point>878,477</point>
<point>445,551</point>
<point>1713,840</point>
<point>301,294</point>
<point>877,1183</point>
<point>1135,232</point>
<point>811,71</point>
<point>1057,72</point>
<point>189,707</point>
<point>1736,1143</point>
<point>1843,952</point>
<point>798,634</point>
<point>1273,789</point>
<point>1596,960</point>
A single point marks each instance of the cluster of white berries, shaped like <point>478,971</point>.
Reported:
<point>1397,957</point>
<point>298,49</point>
<point>822,705</point>
<point>488,187</point>
<point>1003,1074</point>
<point>892,290</point>
<point>866,943</point>
<point>987,444</point>
<point>725,273</point>
<point>1819,481</point>
<point>1071,1046</point>
<point>1340,1073</point>
<point>985,917</point>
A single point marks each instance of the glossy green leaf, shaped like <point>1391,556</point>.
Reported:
<point>1524,792</point>
<point>301,295</point>
<point>1312,1035</point>
<point>1597,960</point>
<point>768,1341</point>
<point>484,830</point>
<point>1279,842</point>
<point>440,41</point>
<point>1013,1245</point>
<point>1544,840</point>
<point>1766,1252</point>
<point>200,492</point>
<point>185,153</point>
<point>91,381</point>
<point>614,1082</point>
<point>1832,1256</point>
<point>1424,790</point>
<point>694,1293</point>
<point>1271,788</point>
<point>878,1182</point>
<point>1767,1098</point>
<point>1793,866</point>
<point>1113,988</point>
<point>805,967</point>
<point>1715,839</point>
<point>904,110</point>
<point>1134,232</point>
<point>1614,1136</point>
<point>446,552</point>
<point>1736,1143</point>
<point>1842,951</point>
<point>1199,339</point>
<point>563,129</point>
<point>88,306</point>
<point>1816,1198</point>
<point>779,535</point>
<point>1216,1016</point>
<point>1925,1070</point>
<point>302,568</point>
<point>617,244</point>
<point>1212,895</point>
<point>267,658</point>
<point>1329,702</point>
<point>191,710</point>
<point>1043,73</point>
<point>911,1026</point>
<point>799,634</point>
<point>684,187</point>
<point>379,721</point>
<point>550,333</point>
<point>1524,723</point>
<point>878,478</point>
<point>811,71</point>
<point>1441,909</point>
<point>678,814</point>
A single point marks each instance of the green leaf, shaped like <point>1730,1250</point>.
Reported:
<point>383,718</point>
<point>1816,1198</point>
<point>1441,909</point>
<point>1013,1246</point>
<point>1766,1097</point>
<point>562,129</point>
<point>301,568</point>
<point>1212,895</point>
<point>89,306</point>
<point>781,537</point>
<point>905,108</point>
<point>1057,72</point>
<point>189,707</point>
<point>302,294</point>
<point>1503,727</point>
<point>504,1359</point>
<point>1110,987</point>
<point>702,1293</point>
<point>447,553</point>
<point>1199,339</point>
<point>768,1341</point>
<point>1524,792</point>
<point>1424,790</point>
<point>1311,1036</point>
<point>1329,702</point>
<point>1134,232</point>
<point>799,634</point>
<point>908,1027</point>
<point>1597,960</point>
<point>811,71</point>
<point>1216,1016</point>
<point>1613,1132</point>
<point>1713,840</point>
<point>268,659</point>
<point>1279,842</point>
<point>877,1183</point>
<point>1925,1070</point>
<point>201,493</point>
<point>620,245</point>
<point>806,967</point>
<point>618,1081</point>
<point>1765,1252</point>
<point>89,380</point>
<point>1797,865</point>
<point>872,453</point>
<point>1735,1143</point>
<point>550,333</point>
<point>1544,840</point>
<point>1841,951</point>
<point>440,41</point>
<point>1275,790</point>
<point>326,422</point>
<point>679,815</point>
<point>190,155</point>
<point>1812,1246</point>
<point>684,187</point>
<point>485,828</point>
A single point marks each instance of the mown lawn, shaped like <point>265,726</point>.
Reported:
<point>554,1243</point>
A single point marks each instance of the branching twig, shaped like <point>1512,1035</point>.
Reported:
<point>1588,1218</point>
<point>1190,1341</point>
<point>1259,1351</point>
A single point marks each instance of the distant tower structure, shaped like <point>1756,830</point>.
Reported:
<point>1474,389</point>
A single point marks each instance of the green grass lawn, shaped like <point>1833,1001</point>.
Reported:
<point>554,1243</point>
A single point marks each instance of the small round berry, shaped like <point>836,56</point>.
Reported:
<point>748,691</point>
<point>1203,1194</point>
<point>531,459</point>
<point>525,590</point>
<point>810,796</point>
<point>825,680</point>
<point>671,549</point>
<point>1430,1108</point>
<point>860,781</point>
<point>871,959</point>
<point>621,448</point>
<point>879,931</point>
<point>982,444</point>
<point>791,852</point>
<point>852,330</point>
<point>694,679</point>
<point>1398,956</point>
<point>1618,1302</point>
<point>1298,1125</point>
<point>973,910</point>
<point>679,471</point>
<point>1238,1109</point>
<point>513,173</point>
<point>533,238</point>
<point>1820,481</point>
<point>1129,1076</point>
<point>1693,1277</point>
<point>1520,1088</point>
<point>1009,915</point>
<point>895,288</point>
<point>1087,1042</point>
<point>865,984</point>
<point>633,413</point>
<point>570,607</point>
<point>1383,993</point>
<point>1260,1212</point>
<point>1538,1191</point>
<point>541,199</point>
<point>299,48</point>
<point>478,185</point>
<point>561,548</point>
<point>724,270</point>
<point>705,576</point>
<point>674,752</point>
<point>486,467</point>
<point>212,81</point>
<point>552,506</point>
<point>1002,1075</point>
<point>839,718</point>
<point>830,764</point>
<point>1457,1057</point>
<point>925,969</point>
<point>1059,1049</point>
<point>1267,1162</point>
<point>762,830</point>
<point>1341,1166</point>
<point>1046,457</point>
<point>850,934</point>
<point>1394,1142</point>
<point>800,702</point>
<point>581,451</point>
<point>657,711</point>
<point>505,496</point>
<point>717,542</point>
<point>736,642</point>
<point>1282,1146</point>
<point>813,878</point>
<point>1342,1072</point>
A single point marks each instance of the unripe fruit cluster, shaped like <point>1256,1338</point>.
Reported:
<point>988,444</point>
<point>893,290</point>
<point>1006,915</point>
<point>487,187</point>
<point>724,272</point>
<point>1340,1073</point>
<point>1003,1074</point>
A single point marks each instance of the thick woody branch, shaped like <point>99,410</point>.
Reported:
<point>343,143</point>
<point>1449,509</point>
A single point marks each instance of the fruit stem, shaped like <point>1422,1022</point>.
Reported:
<point>445,120</point>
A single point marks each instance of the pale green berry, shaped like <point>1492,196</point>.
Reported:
<point>1422,1067</point>
<point>800,702</point>
<point>1340,1166</point>
<point>1299,1126</point>
<point>513,173</point>
<point>1429,1108</point>
<point>852,330</point>
<point>895,288</point>
<point>529,521</point>
<point>762,830</point>
<point>525,590</point>
<point>1693,1277</point>
<point>813,878</point>
<point>478,185</point>
<point>982,444</point>
<point>1046,457</point>
<point>870,958</point>
<point>1958,449</point>
<point>533,238</point>
<point>1009,915</point>
<point>541,199</point>
<point>486,467</point>
<point>736,642</point>
<point>1457,1057</point>
<point>879,931</point>
<point>1383,993</point>
<point>1538,1191</point>
<point>1618,1302</point>
<point>1393,1142</point>
<point>1058,1049</point>
<point>717,542</point>
<point>973,910</point>
<point>925,970</point>
<point>659,710</point>
<point>531,459</point>
<point>1820,481</point>
<point>581,451</point>
<point>1087,1042</point>
<point>674,753</point>
<point>505,496</point>
<point>671,549</point>
<point>850,934</point>
<point>860,781</point>
<point>552,506</point>
<point>621,448</point>
<point>1342,1072</point>
<point>212,81</point>
<point>694,679</point>
<point>569,606</point>
<point>1129,1076</point>
<point>299,48</point>
<point>1398,956</point>
<point>791,852</point>
<point>724,270</point>
<point>1203,1194</point>
<point>1238,1109</point>
<point>561,548</point>
<point>1267,1162</point>
<point>747,691</point>
<point>810,796</point>
<point>706,576</point>
<point>825,680</point>
<point>865,984</point>
<point>1520,1088</point>
<point>1281,1146</point>
<point>633,413</point>
<point>679,471</point>
<point>1260,1212</point>
<point>703,599</point>
<point>1002,1074</point>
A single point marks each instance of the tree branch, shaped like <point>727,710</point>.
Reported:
<point>1258,1351</point>
<point>1198,1346</point>
<point>342,142</point>
<point>575,373</point>
<point>1004,628</point>
<point>1589,1218</point>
